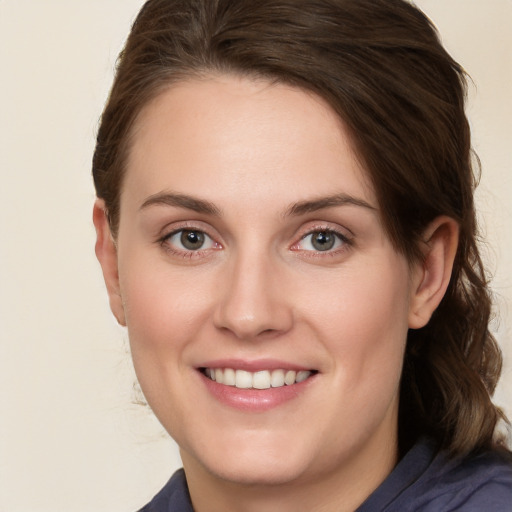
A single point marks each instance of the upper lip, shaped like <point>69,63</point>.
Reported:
<point>254,365</point>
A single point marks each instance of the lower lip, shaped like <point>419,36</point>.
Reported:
<point>255,400</point>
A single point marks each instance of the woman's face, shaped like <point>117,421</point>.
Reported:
<point>251,248</point>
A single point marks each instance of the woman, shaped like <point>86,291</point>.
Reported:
<point>285,225</point>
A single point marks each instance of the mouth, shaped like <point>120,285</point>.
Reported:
<point>262,379</point>
<point>256,386</point>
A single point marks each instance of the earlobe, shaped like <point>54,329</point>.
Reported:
<point>106,253</point>
<point>433,273</point>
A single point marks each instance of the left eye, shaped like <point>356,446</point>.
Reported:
<point>190,240</point>
<point>321,241</point>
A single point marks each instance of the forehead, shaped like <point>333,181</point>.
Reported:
<point>226,133</point>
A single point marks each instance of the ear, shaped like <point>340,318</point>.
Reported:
<point>106,252</point>
<point>432,275</point>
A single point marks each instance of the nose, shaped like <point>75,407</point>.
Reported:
<point>252,299</point>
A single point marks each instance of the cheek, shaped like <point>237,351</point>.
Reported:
<point>164,307</point>
<point>363,321</point>
<point>165,313</point>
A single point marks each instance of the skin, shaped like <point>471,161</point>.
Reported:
<point>258,288</point>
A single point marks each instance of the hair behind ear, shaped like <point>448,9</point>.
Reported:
<point>452,365</point>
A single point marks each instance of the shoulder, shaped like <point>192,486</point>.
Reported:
<point>475,483</point>
<point>174,496</point>
<point>427,480</point>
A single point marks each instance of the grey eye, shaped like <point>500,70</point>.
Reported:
<point>192,240</point>
<point>188,241</point>
<point>323,240</point>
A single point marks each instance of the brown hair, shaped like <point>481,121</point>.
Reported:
<point>381,67</point>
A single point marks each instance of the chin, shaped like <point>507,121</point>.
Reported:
<point>262,472</point>
<point>267,463</point>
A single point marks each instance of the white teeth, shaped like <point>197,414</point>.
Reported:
<point>263,379</point>
<point>229,377</point>
<point>277,378</point>
<point>302,376</point>
<point>243,379</point>
<point>289,377</point>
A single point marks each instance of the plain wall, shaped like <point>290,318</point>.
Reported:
<point>70,436</point>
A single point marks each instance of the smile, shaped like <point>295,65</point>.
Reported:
<point>263,379</point>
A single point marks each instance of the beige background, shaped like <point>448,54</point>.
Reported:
<point>70,437</point>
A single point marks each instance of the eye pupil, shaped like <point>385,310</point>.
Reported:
<point>192,240</point>
<point>323,240</point>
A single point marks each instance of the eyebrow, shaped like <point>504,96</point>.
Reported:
<point>309,206</point>
<point>181,201</point>
<point>296,209</point>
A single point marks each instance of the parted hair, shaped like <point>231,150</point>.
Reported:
<point>381,67</point>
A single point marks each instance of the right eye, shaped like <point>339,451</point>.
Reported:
<point>189,240</point>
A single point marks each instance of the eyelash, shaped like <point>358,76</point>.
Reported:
<point>165,242</point>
